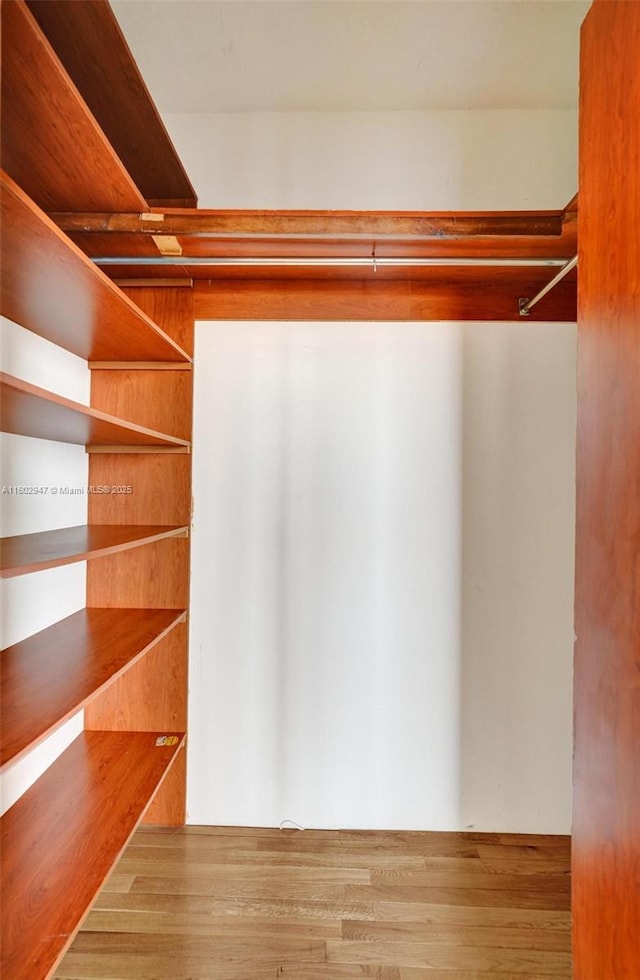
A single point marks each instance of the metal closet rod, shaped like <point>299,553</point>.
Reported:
<point>372,260</point>
<point>525,305</point>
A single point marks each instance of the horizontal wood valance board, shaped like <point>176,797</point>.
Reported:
<point>272,299</point>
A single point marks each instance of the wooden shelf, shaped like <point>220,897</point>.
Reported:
<point>51,143</point>
<point>27,410</point>
<point>24,553</point>
<point>54,673</point>
<point>61,839</point>
<point>50,287</point>
<point>88,40</point>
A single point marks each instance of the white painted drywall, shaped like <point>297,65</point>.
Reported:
<point>32,602</point>
<point>518,516</point>
<point>405,160</point>
<point>326,558</point>
<point>382,575</point>
<point>352,56</point>
<point>336,680</point>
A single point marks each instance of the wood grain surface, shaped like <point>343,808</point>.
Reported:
<point>239,904</point>
<point>52,674</point>
<point>24,553</point>
<point>364,291</point>
<point>606,809</point>
<point>159,400</point>
<point>330,225</point>
<point>160,489</point>
<point>86,805</point>
<point>171,309</point>
<point>28,410</point>
<point>153,693</point>
<point>48,133</point>
<point>169,806</point>
<point>50,287</point>
<point>135,702</point>
<point>88,41</point>
<point>470,296</point>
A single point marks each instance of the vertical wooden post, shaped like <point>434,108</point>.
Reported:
<point>606,832</point>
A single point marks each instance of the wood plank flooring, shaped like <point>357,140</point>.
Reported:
<point>215,903</point>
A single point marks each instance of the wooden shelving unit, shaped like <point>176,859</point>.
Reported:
<point>61,839</point>
<point>52,674</point>
<point>27,410</point>
<point>123,659</point>
<point>50,286</point>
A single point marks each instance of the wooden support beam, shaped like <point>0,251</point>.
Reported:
<point>407,226</point>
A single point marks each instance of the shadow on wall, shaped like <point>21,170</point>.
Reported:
<point>518,544</point>
<point>382,574</point>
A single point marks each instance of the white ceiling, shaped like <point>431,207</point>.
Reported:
<point>341,55</point>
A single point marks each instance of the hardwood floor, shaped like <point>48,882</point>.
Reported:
<point>211,903</point>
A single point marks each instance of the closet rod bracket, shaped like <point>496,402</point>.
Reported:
<point>525,305</point>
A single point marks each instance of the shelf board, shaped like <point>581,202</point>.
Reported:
<point>49,676</point>
<point>50,287</point>
<point>61,839</point>
<point>51,143</point>
<point>27,410</point>
<point>90,44</point>
<point>24,553</point>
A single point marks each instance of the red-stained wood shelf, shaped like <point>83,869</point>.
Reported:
<point>52,674</point>
<point>50,287</point>
<point>61,839</point>
<point>25,553</point>
<point>27,410</point>
<point>87,39</point>
<point>51,143</point>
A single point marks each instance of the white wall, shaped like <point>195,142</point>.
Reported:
<point>33,602</point>
<point>382,575</point>
<point>383,547</point>
<point>432,160</point>
<point>518,517</point>
<point>326,558</point>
